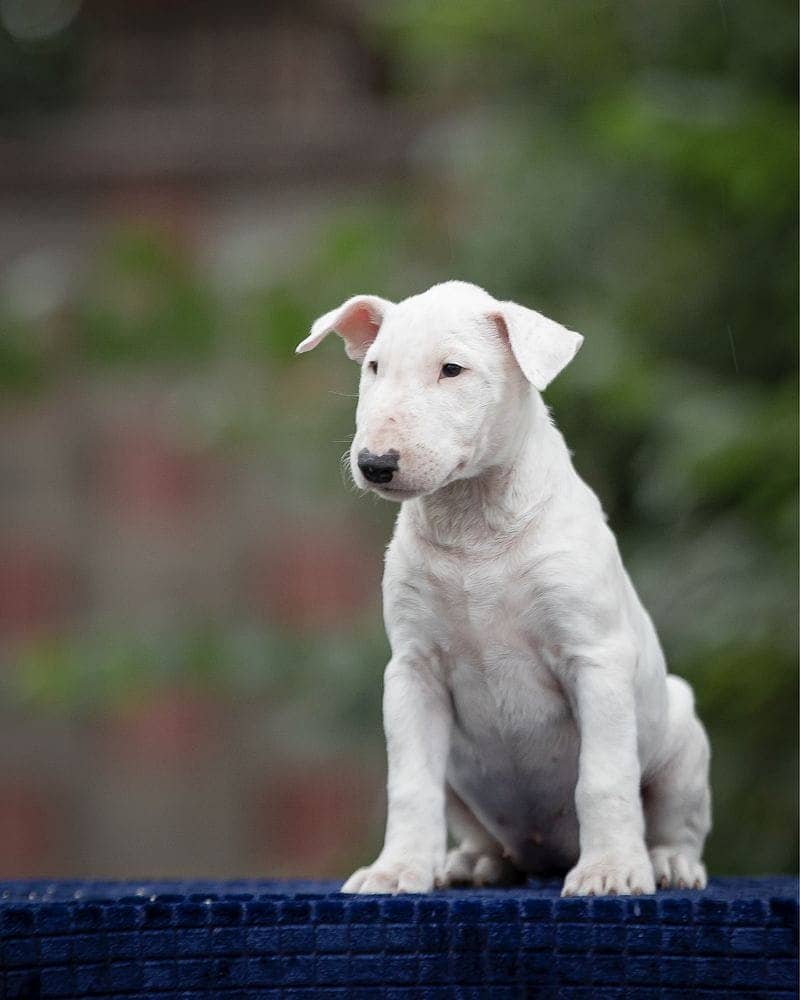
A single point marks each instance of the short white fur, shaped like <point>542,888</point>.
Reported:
<point>526,704</point>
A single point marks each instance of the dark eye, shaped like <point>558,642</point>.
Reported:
<point>373,367</point>
<point>450,370</point>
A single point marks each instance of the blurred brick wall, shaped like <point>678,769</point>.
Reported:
<point>236,131</point>
<point>111,519</point>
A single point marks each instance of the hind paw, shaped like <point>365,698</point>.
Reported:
<point>474,868</point>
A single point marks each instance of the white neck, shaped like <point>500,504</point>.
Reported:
<point>508,497</point>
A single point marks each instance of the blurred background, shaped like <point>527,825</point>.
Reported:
<point>190,629</point>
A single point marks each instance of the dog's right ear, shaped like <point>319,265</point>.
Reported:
<point>357,322</point>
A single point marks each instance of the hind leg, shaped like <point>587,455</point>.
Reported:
<point>677,798</point>
<point>478,859</point>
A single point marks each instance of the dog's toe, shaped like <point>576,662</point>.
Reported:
<point>612,875</point>
<point>677,869</point>
<point>475,868</point>
<point>356,880</point>
<point>459,867</point>
<point>392,878</point>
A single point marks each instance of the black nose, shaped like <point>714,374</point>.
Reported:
<point>378,468</point>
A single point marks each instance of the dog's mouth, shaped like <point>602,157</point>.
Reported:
<point>394,492</point>
<point>398,493</point>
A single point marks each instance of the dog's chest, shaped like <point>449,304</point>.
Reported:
<point>513,747</point>
<point>497,661</point>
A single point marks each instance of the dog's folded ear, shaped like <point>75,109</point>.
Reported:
<point>357,322</point>
<point>541,346</point>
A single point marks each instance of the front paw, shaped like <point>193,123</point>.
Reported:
<point>678,868</point>
<point>408,875</point>
<point>612,874</point>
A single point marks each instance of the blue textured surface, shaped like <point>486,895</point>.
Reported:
<point>247,939</point>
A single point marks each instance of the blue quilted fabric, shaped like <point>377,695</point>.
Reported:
<point>248,939</point>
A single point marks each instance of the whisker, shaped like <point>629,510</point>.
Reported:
<point>347,474</point>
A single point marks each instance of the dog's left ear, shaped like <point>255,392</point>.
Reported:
<point>541,346</point>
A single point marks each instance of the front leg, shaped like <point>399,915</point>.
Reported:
<point>417,717</point>
<point>613,857</point>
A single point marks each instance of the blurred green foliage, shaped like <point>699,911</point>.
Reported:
<point>144,304</point>
<point>631,170</point>
<point>318,678</point>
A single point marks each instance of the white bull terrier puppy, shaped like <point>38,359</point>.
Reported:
<point>526,703</point>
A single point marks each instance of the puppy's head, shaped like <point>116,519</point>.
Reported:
<point>445,379</point>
